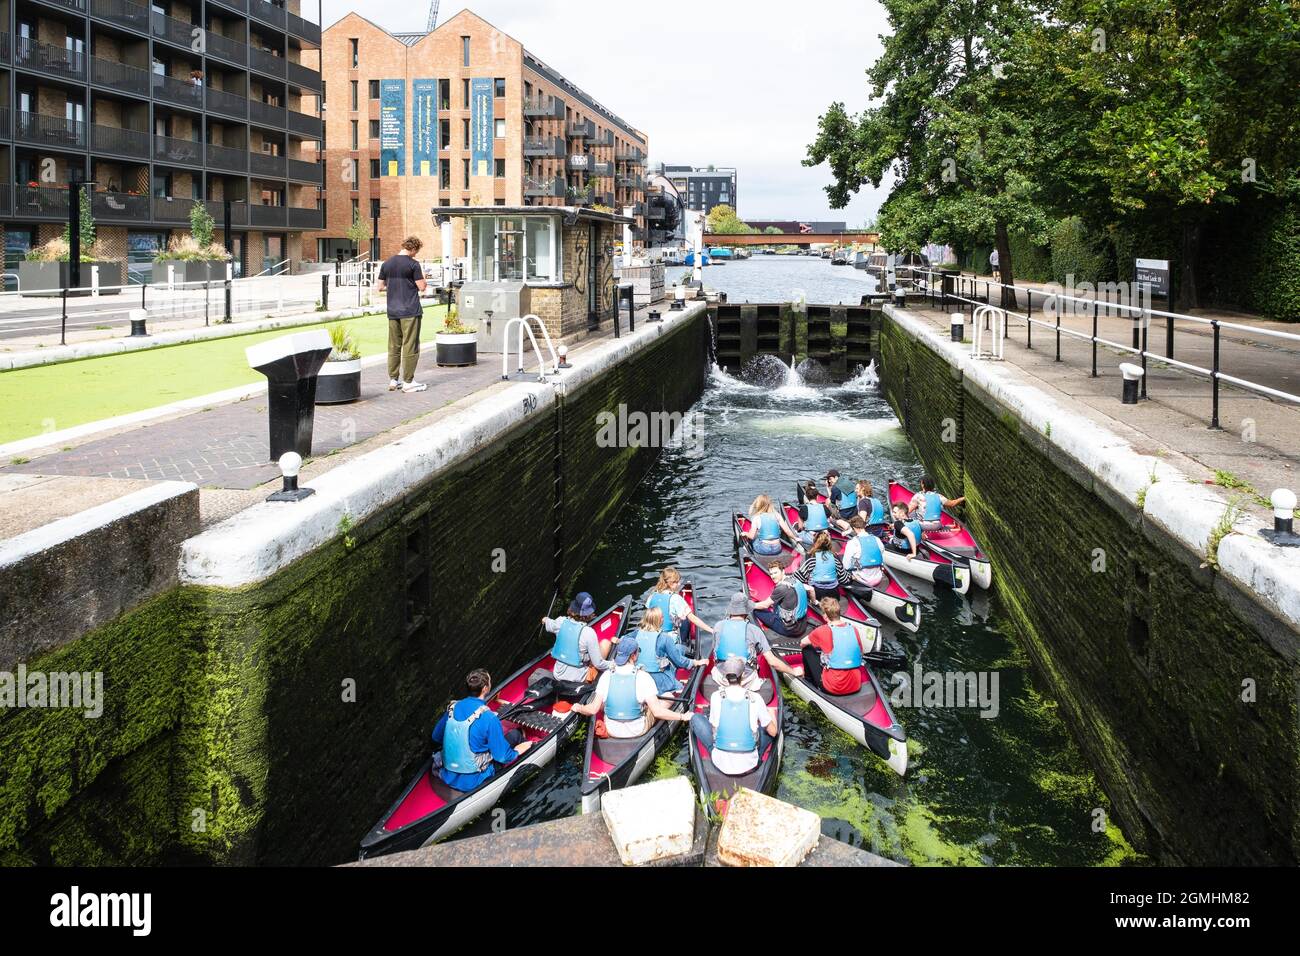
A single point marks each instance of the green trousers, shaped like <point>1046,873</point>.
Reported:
<point>403,348</point>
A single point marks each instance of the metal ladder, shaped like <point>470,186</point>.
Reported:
<point>525,324</point>
<point>997,348</point>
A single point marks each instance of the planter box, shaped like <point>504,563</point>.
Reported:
<point>204,271</point>
<point>338,382</point>
<point>50,278</point>
<point>456,350</point>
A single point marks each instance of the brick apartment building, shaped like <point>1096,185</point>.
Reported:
<point>462,116</point>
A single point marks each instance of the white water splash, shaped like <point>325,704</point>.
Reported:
<point>865,430</point>
<point>794,385</point>
<point>866,380</point>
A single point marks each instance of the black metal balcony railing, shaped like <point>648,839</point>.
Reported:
<point>239,5</point>
<point>217,209</point>
<point>171,209</point>
<point>119,76</point>
<point>265,164</point>
<point>305,125</point>
<point>264,61</point>
<point>41,202</point>
<point>304,172</point>
<point>227,158</point>
<point>604,170</point>
<point>119,207</point>
<point>225,48</point>
<point>180,92</point>
<point>119,141</point>
<point>582,130</point>
<point>304,218</point>
<point>49,59</point>
<point>4,122</point>
<point>544,107</point>
<point>543,188</point>
<point>4,48</point>
<point>180,32</point>
<point>267,13</point>
<point>606,138</point>
<point>53,131</point>
<point>179,152</point>
<point>267,216</point>
<point>227,104</point>
<point>77,6</point>
<point>545,147</point>
<point>303,76</point>
<point>266,114</point>
<point>579,197</point>
<point>6,199</point>
<point>304,29</point>
<point>122,12</point>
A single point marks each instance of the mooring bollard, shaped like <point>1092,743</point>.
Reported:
<point>654,315</point>
<point>563,351</point>
<point>291,365</point>
<point>290,468</point>
<point>1133,375</point>
<point>138,319</point>
<point>958,327</point>
<point>1284,502</point>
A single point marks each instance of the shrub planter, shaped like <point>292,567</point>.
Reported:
<point>339,382</point>
<point>200,270</point>
<point>50,278</point>
<point>456,349</point>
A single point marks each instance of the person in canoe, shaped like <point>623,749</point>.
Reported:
<point>739,639</point>
<point>673,606</point>
<point>739,726</point>
<point>864,559</point>
<point>814,517</point>
<point>629,697</point>
<point>907,532</point>
<point>842,495</point>
<point>870,507</point>
<point>472,739</point>
<point>927,505</point>
<point>659,654</point>
<point>823,569</point>
<point>832,653</point>
<point>766,525</point>
<point>578,654</point>
<point>785,610</point>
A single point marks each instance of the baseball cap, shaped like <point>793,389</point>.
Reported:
<point>582,605</point>
<point>732,667</point>
<point>624,651</point>
<point>833,473</point>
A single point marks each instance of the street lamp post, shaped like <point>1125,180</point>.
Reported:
<point>74,227</point>
<point>229,237</point>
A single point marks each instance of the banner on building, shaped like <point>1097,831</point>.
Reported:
<point>482,126</point>
<point>424,127</point>
<point>392,127</point>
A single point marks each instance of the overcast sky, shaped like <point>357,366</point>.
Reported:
<point>729,82</point>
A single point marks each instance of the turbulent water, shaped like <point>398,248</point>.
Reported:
<point>1008,790</point>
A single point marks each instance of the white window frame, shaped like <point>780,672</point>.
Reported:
<point>556,248</point>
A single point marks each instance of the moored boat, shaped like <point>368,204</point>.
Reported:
<point>952,540</point>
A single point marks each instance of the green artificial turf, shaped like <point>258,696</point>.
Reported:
<point>53,397</point>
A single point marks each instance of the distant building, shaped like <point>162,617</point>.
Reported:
<point>797,226</point>
<point>702,188</point>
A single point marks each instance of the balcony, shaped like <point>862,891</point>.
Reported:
<point>4,122</point>
<point>304,172</point>
<point>55,131</point>
<point>6,198</point>
<point>224,48</point>
<point>544,188</point>
<point>179,32</point>
<point>177,152</point>
<point>580,197</point>
<point>264,164</point>
<point>226,104</point>
<point>120,142</point>
<point>303,29</point>
<point>303,218</point>
<point>119,207</point>
<point>544,107</point>
<point>264,61</point>
<point>303,77</point>
<point>51,60</point>
<point>180,92</point>
<point>603,170</point>
<point>582,130</point>
<point>217,210</point>
<point>123,13</point>
<point>605,139</point>
<point>305,125</point>
<point>228,159</point>
<point>4,48</point>
<point>41,202</point>
<point>545,147</point>
<point>119,77</point>
<point>267,216</point>
<point>169,209</point>
<point>267,13</point>
<point>265,114</point>
<point>76,6</point>
<point>633,156</point>
<point>239,6</point>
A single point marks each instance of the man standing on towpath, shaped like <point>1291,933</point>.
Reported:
<point>402,277</point>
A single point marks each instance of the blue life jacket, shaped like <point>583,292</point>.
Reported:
<point>735,733</point>
<point>622,703</point>
<point>457,756</point>
<point>568,643</point>
<point>648,659</point>
<point>916,529</point>
<point>817,520</point>
<point>769,529</point>
<point>848,499</point>
<point>871,555</point>
<point>877,515</point>
<point>664,601</point>
<point>823,572</point>
<point>846,652</point>
<point>733,640</point>
<point>933,510</point>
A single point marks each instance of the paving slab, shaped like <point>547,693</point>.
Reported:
<point>30,501</point>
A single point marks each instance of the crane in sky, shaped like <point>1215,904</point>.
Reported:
<point>433,16</point>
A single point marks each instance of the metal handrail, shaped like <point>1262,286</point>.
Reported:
<point>276,266</point>
<point>525,324</point>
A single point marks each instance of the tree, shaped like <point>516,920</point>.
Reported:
<point>945,128</point>
<point>773,231</point>
<point>358,233</point>
<point>723,221</point>
<point>85,229</point>
<point>202,226</point>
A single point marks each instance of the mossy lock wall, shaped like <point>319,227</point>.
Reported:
<point>1152,666</point>
<point>230,734</point>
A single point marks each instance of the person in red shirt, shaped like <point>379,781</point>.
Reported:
<point>820,652</point>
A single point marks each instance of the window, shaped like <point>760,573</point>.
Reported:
<point>355,52</point>
<point>352,169</point>
<point>374,209</point>
<point>355,135</point>
<point>500,128</point>
<point>464,51</point>
<point>464,128</point>
<point>444,134</point>
<point>374,89</point>
<point>464,94</point>
<point>499,86</point>
<point>374,169</point>
<point>511,248</point>
<point>444,94</point>
<point>356,209</point>
<point>352,91</point>
<point>500,169</point>
<point>374,129</point>
<point>466,162</point>
<point>444,174</point>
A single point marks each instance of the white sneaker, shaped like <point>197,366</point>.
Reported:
<point>410,387</point>
<point>394,384</point>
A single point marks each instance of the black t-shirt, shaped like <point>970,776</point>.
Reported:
<point>401,273</point>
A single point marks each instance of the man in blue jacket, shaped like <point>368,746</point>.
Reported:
<point>472,739</point>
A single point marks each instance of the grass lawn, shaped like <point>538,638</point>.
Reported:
<point>53,397</point>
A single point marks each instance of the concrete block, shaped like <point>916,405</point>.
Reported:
<point>652,822</point>
<point>762,831</point>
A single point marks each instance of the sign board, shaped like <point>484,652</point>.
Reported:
<point>424,127</point>
<point>482,133</point>
<point>1153,274</point>
<point>580,161</point>
<point>392,127</point>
